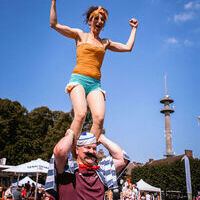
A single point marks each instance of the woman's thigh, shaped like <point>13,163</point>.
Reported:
<point>96,102</point>
<point>77,96</point>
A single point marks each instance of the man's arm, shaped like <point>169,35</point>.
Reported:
<point>116,152</point>
<point>61,150</point>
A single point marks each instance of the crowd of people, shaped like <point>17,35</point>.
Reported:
<point>131,192</point>
<point>24,192</point>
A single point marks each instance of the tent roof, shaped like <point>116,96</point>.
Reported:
<point>5,166</point>
<point>142,185</point>
<point>34,166</point>
<point>24,181</point>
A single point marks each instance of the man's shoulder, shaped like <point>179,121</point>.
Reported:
<point>106,162</point>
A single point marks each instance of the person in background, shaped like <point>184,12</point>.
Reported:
<point>1,192</point>
<point>148,197</point>
<point>8,193</point>
<point>32,194</point>
<point>135,192</point>
<point>17,194</point>
<point>23,193</point>
<point>198,196</point>
<point>40,194</point>
<point>158,196</point>
<point>128,193</point>
<point>28,188</point>
<point>142,196</point>
<point>48,197</point>
<point>124,186</point>
<point>152,196</point>
<point>109,195</point>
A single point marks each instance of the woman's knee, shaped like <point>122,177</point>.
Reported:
<point>98,119</point>
<point>80,116</point>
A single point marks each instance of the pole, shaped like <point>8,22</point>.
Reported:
<point>188,177</point>
<point>37,174</point>
<point>18,180</point>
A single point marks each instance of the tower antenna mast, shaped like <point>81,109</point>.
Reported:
<point>165,77</point>
<point>167,111</point>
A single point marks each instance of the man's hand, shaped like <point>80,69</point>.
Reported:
<point>99,141</point>
<point>115,151</point>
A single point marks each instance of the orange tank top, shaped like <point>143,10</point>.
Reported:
<point>89,60</point>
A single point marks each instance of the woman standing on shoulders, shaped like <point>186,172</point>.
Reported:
<point>85,79</point>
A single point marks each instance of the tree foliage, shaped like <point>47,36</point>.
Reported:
<point>169,177</point>
<point>30,135</point>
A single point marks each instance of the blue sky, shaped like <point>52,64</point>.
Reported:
<point>36,64</point>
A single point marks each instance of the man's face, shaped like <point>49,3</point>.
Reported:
<point>87,154</point>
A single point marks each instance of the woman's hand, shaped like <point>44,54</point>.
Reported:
<point>119,47</point>
<point>133,23</point>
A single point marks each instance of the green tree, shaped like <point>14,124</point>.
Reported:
<point>40,119</point>
<point>29,135</point>
<point>169,176</point>
<point>13,127</point>
<point>62,122</point>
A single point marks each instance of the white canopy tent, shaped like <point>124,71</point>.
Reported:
<point>24,181</point>
<point>35,166</point>
<point>143,186</point>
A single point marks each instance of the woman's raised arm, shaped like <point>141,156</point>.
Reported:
<point>119,47</point>
<point>64,30</point>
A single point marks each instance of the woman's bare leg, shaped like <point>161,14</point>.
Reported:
<point>96,102</point>
<point>77,96</point>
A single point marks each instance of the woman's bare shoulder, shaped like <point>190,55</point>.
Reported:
<point>105,42</point>
<point>82,37</point>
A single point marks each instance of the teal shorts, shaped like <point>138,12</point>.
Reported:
<point>89,84</point>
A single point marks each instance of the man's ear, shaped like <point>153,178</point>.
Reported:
<point>77,148</point>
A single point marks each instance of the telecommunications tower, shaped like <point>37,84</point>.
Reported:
<point>167,111</point>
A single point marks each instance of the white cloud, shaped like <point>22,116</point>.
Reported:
<point>183,17</point>
<point>188,5</point>
<point>188,43</point>
<point>175,43</point>
<point>192,5</point>
<point>172,40</point>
